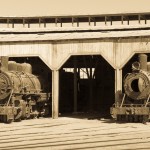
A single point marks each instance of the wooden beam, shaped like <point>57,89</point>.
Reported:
<point>89,21</point>
<point>122,18</point>
<point>75,20</point>
<point>24,21</point>
<point>108,18</point>
<point>139,19</point>
<point>90,85</point>
<point>105,20</point>
<point>128,20</point>
<point>56,22</point>
<point>13,25</point>
<point>143,17</point>
<point>39,22</point>
<point>7,23</point>
<point>72,21</point>
<point>75,85</point>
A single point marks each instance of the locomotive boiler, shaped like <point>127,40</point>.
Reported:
<point>135,103</point>
<point>21,95</point>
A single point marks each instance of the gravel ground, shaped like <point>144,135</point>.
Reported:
<point>68,133</point>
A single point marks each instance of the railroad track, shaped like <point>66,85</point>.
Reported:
<point>68,133</point>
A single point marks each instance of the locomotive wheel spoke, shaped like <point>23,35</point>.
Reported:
<point>2,89</point>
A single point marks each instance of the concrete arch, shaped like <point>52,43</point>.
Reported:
<point>72,54</point>
<point>18,55</point>
<point>131,55</point>
<point>42,50</point>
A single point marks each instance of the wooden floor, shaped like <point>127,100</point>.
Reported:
<point>73,133</point>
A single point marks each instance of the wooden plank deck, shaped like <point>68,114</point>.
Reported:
<point>73,133</point>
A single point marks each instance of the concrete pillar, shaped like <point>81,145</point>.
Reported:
<point>55,94</point>
<point>118,85</point>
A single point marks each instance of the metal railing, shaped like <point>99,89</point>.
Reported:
<point>75,21</point>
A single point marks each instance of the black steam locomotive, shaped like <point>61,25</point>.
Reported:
<point>135,103</point>
<point>21,95</point>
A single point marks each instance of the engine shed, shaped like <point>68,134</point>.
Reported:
<point>84,57</point>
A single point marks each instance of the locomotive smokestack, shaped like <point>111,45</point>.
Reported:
<point>3,63</point>
<point>143,61</point>
<point>148,66</point>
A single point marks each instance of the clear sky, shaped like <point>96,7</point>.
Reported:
<point>67,7</point>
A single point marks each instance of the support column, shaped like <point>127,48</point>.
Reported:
<point>55,94</point>
<point>118,84</point>
<point>75,86</point>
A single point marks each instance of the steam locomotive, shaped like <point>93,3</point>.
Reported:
<point>134,105</point>
<point>21,95</point>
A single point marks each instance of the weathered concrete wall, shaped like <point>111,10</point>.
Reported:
<point>64,50</point>
<point>117,52</point>
<point>126,48</point>
<point>19,49</point>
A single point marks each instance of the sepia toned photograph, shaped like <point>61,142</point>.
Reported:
<point>74,75</point>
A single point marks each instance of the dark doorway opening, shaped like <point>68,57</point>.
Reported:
<point>95,85</point>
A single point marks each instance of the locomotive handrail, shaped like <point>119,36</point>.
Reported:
<point>123,99</point>
<point>126,76</point>
<point>147,100</point>
<point>10,97</point>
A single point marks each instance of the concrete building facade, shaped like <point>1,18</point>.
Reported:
<point>56,39</point>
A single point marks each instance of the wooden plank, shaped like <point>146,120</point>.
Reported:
<point>75,85</point>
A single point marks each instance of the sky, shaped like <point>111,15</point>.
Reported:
<point>70,7</point>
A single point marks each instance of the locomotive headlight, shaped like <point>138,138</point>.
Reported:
<point>137,85</point>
